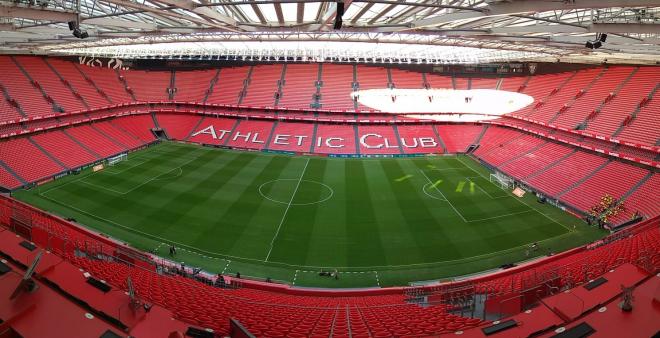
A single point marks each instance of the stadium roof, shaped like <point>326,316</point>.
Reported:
<point>501,30</point>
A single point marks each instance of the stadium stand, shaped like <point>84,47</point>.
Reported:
<point>378,140</point>
<point>51,82</point>
<point>299,86</point>
<point>410,139</point>
<point>94,140</point>
<point>251,134</point>
<point>20,155</point>
<point>192,86</point>
<point>565,173</point>
<point>107,82</point>
<point>228,89</point>
<point>262,85</point>
<point>615,179</point>
<point>28,97</point>
<point>93,97</point>
<point>147,85</point>
<point>458,138</point>
<point>64,149</point>
<point>267,312</point>
<point>337,86</point>
<point>295,137</point>
<point>178,126</point>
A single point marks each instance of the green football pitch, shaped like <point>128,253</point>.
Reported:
<point>379,221</point>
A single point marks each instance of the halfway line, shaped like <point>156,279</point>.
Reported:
<point>272,242</point>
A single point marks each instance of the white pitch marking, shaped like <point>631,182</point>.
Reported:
<point>286,211</point>
<point>445,197</point>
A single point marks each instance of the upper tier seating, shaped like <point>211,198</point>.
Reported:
<point>483,83</point>
<point>229,85</point>
<point>644,128</point>
<point>192,86</point>
<point>592,98</point>
<point>39,71</point>
<point>19,88</point>
<point>148,86</point>
<point>566,94</point>
<point>406,79</point>
<point>371,78</point>
<point>263,86</point>
<point>70,73</point>
<point>337,87</point>
<point>107,81</point>
<point>625,102</point>
<point>299,86</point>
<point>439,81</point>
<point>539,87</point>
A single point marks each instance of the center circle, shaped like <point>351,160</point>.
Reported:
<point>294,191</point>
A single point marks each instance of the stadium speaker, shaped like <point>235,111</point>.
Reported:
<point>72,25</point>
<point>340,14</point>
<point>597,44</point>
<point>84,35</point>
<point>589,45</point>
<point>77,33</point>
<point>603,37</point>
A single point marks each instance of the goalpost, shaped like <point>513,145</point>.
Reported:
<point>116,159</point>
<point>503,181</point>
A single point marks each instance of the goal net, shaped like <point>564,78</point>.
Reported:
<point>116,159</point>
<point>503,181</point>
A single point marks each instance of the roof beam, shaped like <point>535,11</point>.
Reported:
<point>300,15</point>
<point>278,12</point>
<point>114,22</point>
<point>381,13</point>
<point>639,28</point>
<point>359,14</point>
<point>260,15</point>
<point>165,13</point>
<point>208,12</point>
<point>33,13</point>
<point>527,6</point>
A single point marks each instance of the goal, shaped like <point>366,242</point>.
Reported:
<point>503,181</point>
<point>116,159</point>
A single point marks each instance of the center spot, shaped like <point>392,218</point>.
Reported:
<point>308,192</point>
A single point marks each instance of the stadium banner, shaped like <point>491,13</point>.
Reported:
<point>278,152</point>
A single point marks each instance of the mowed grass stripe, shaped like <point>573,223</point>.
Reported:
<point>379,217</point>
<point>326,245</point>
<point>427,237</point>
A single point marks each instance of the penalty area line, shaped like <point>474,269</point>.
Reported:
<point>443,195</point>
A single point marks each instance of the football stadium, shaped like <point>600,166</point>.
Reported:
<point>290,168</point>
